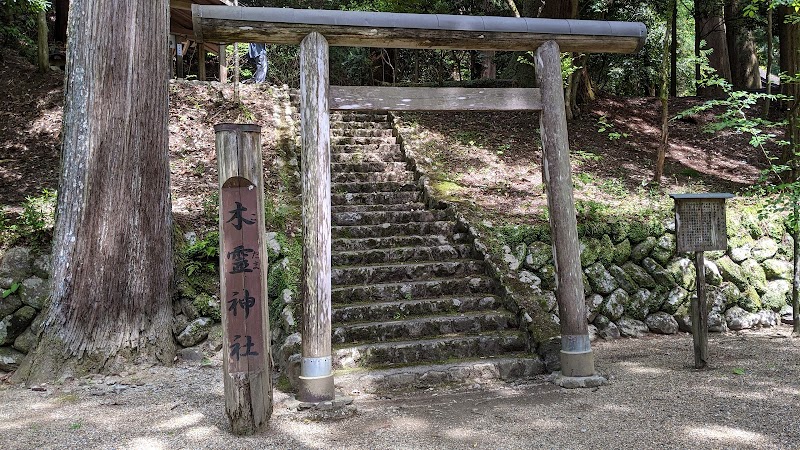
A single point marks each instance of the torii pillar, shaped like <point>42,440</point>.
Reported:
<point>576,352</point>
<point>316,366</point>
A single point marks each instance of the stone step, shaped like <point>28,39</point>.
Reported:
<point>416,206</point>
<point>369,177</point>
<point>470,371</point>
<point>371,243</point>
<point>386,186</point>
<point>392,229</point>
<point>362,157</point>
<point>365,148</point>
<point>402,254</point>
<point>424,327</point>
<point>359,133</point>
<point>385,311</point>
<point>428,350</point>
<point>379,217</point>
<point>342,140</point>
<point>349,125</point>
<point>410,290</point>
<point>386,273</point>
<point>376,198</point>
<point>359,117</point>
<point>378,166</point>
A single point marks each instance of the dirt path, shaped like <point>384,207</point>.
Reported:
<point>748,399</point>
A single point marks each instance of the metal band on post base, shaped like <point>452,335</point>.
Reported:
<point>576,351</point>
<point>316,377</point>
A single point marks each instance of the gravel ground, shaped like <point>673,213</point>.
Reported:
<point>747,399</point>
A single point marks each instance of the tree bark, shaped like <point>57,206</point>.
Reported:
<point>665,72</point>
<point>767,101</point>
<point>741,49</point>
<point>112,250</point>
<point>710,27</point>
<point>673,52</point>
<point>44,52</point>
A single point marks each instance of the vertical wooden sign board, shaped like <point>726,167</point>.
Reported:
<point>700,226</point>
<point>243,288</point>
<point>244,304</point>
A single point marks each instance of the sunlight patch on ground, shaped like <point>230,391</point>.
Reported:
<point>198,433</point>
<point>145,443</point>
<point>728,435</point>
<point>183,421</point>
<point>638,368</point>
<point>461,434</point>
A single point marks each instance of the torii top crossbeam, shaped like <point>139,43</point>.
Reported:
<point>395,30</point>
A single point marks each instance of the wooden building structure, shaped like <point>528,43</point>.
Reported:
<point>182,36</point>
<point>316,30</point>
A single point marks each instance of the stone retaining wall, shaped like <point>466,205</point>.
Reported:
<point>27,274</point>
<point>638,283</point>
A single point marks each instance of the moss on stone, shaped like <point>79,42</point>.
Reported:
<point>207,306</point>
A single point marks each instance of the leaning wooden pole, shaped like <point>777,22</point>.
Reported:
<point>576,351</point>
<point>44,52</point>
<point>316,376</point>
<point>247,362</point>
<point>201,61</point>
<point>223,64</point>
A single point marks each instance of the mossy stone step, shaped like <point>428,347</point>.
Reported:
<point>376,198</point>
<point>379,217</point>
<point>424,327</point>
<point>365,148</point>
<point>387,186</point>
<point>410,290</point>
<point>365,140</point>
<point>417,271</point>
<point>352,124</point>
<point>392,229</point>
<point>416,206</point>
<point>428,350</point>
<point>361,132</point>
<point>377,166</point>
<point>359,117</point>
<point>359,157</point>
<point>378,380</point>
<point>371,312</point>
<point>402,254</point>
<point>401,175</point>
<point>372,243</point>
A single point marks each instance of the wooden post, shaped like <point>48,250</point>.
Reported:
<point>316,377</point>
<point>223,64</point>
<point>179,60</point>
<point>576,351</point>
<point>700,315</point>
<point>247,362</point>
<point>44,52</point>
<point>201,61</point>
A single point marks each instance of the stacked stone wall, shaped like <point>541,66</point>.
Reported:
<point>636,282</point>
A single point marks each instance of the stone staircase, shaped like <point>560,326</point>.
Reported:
<point>412,302</point>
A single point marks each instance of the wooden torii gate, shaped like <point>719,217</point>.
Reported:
<point>316,30</point>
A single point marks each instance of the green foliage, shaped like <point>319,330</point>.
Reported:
<point>202,256</point>
<point>18,26</point>
<point>604,126</point>
<point>14,287</point>
<point>513,235</point>
<point>284,273</point>
<point>34,225</point>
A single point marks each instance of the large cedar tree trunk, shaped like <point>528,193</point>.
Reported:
<point>710,27</point>
<point>741,49</point>
<point>112,251</point>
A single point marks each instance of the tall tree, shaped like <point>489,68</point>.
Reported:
<point>669,31</point>
<point>741,48</point>
<point>112,250</point>
<point>710,27</point>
